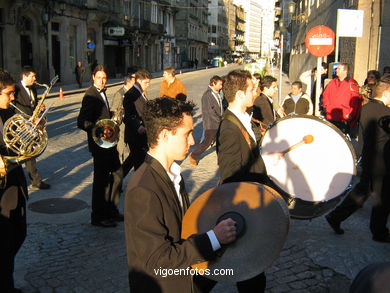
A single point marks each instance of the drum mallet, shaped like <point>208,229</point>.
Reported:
<point>307,139</point>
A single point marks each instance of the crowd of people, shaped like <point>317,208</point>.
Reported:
<point>236,110</point>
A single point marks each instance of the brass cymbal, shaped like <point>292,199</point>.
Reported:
<point>266,223</point>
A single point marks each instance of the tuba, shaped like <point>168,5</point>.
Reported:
<point>26,136</point>
<point>106,131</point>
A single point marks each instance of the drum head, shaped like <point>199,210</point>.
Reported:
<point>266,222</point>
<point>315,172</point>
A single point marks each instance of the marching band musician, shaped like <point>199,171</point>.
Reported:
<point>13,196</point>
<point>107,170</point>
<point>238,153</point>
<point>117,105</point>
<point>134,103</point>
<point>26,99</point>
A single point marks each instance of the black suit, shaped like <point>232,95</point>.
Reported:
<point>134,104</point>
<point>153,217</point>
<point>263,110</point>
<point>27,105</point>
<point>375,171</point>
<point>239,160</point>
<point>13,197</point>
<point>107,171</point>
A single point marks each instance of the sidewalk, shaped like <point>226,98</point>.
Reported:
<point>73,88</point>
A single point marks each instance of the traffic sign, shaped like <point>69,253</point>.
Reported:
<point>320,41</point>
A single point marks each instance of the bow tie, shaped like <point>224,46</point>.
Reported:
<point>103,91</point>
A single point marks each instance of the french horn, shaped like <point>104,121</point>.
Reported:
<point>26,136</point>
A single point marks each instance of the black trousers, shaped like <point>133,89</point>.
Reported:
<point>138,148</point>
<point>107,180</point>
<point>13,229</point>
<point>209,138</point>
<point>380,184</point>
<point>255,285</point>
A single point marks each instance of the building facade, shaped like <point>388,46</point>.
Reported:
<point>191,27</point>
<point>52,36</point>
<point>369,52</point>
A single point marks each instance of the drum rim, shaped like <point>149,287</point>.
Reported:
<point>326,122</point>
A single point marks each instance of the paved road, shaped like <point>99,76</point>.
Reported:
<point>64,253</point>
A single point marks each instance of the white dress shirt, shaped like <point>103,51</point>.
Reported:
<point>245,119</point>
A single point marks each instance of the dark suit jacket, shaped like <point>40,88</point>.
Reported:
<point>134,105</point>
<point>375,138</point>
<point>93,109</point>
<point>263,110</point>
<point>153,217</point>
<point>236,159</point>
<point>117,100</point>
<point>211,110</point>
<point>23,100</point>
<point>13,198</point>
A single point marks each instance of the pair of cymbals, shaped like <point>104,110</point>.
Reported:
<point>262,220</point>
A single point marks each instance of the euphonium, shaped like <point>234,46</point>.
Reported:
<point>26,136</point>
<point>106,131</point>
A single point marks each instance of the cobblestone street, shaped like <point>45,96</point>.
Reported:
<point>64,253</point>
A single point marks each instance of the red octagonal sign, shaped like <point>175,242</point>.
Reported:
<point>320,41</point>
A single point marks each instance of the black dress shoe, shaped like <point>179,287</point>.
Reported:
<point>335,225</point>
<point>104,223</point>
<point>118,218</point>
<point>384,239</point>
<point>41,185</point>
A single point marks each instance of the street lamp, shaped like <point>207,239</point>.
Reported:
<point>291,10</point>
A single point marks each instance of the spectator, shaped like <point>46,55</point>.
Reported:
<point>341,100</point>
<point>171,87</point>
<point>79,71</point>
<point>296,102</point>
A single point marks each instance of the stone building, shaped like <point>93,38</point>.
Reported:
<point>366,53</point>
<point>53,35</point>
<point>217,29</point>
<point>191,27</point>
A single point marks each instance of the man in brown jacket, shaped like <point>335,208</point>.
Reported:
<point>171,87</point>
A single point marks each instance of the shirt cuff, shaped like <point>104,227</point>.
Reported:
<point>214,241</point>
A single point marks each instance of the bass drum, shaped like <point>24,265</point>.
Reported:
<point>312,176</point>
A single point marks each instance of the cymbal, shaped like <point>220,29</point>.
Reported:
<point>264,231</point>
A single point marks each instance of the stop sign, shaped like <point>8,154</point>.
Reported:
<point>320,41</point>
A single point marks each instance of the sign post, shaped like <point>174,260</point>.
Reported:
<point>349,23</point>
<point>320,42</point>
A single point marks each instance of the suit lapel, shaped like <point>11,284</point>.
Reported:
<point>233,118</point>
<point>164,176</point>
<point>99,96</point>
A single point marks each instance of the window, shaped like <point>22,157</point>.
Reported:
<point>154,13</point>
<point>214,29</point>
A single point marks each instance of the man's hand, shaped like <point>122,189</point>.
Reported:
<point>225,231</point>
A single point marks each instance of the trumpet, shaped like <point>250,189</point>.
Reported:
<point>25,136</point>
<point>106,131</point>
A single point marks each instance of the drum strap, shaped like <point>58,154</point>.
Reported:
<point>236,122</point>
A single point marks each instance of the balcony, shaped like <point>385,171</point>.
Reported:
<point>153,28</point>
